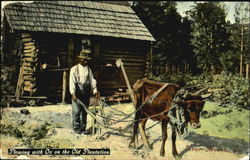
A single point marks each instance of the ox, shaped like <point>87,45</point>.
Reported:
<point>143,89</point>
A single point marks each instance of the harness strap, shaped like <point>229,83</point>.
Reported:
<point>151,99</point>
<point>78,75</point>
<point>154,115</point>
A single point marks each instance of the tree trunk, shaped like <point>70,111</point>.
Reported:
<point>247,71</point>
<point>241,50</point>
<point>241,64</point>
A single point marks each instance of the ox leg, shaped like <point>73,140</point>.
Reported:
<point>143,123</point>
<point>143,134</point>
<point>164,136</point>
<point>174,151</point>
<point>132,142</point>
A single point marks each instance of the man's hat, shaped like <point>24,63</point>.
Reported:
<point>84,54</point>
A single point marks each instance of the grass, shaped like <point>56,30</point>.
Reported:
<point>225,122</point>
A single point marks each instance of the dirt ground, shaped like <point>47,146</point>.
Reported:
<point>59,134</point>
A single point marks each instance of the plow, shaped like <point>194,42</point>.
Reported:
<point>102,121</point>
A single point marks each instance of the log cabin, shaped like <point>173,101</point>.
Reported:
<point>42,39</point>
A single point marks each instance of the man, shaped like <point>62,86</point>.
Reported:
<point>81,83</point>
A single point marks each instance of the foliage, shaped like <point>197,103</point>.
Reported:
<point>10,130</point>
<point>7,88</point>
<point>203,40</point>
<point>210,36</point>
<point>240,30</point>
<point>173,44</point>
<point>214,113</point>
<point>225,122</point>
<point>234,88</point>
<point>180,78</point>
<point>35,138</point>
<point>242,12</point>
<point>229,60</point>
<point>44,144</point>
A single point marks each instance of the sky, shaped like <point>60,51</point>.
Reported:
<point>181,7</point>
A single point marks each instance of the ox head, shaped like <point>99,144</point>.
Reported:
<point>193,105</point>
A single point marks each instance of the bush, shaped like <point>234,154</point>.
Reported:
<point>10,130</point>
<point>235,88</point>
<point>45,144</point>
<point>180,78</point>
<point>7,88</point>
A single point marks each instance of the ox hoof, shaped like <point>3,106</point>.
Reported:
<point>148,148</point>
<point>177,156</point>
<point>131,145</point>
<point>162,153</point>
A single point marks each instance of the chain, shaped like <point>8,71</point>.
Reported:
<point>123,119</point>
<point>150,100</point>
<point>127,116</point>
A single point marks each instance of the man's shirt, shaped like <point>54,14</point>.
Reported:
<point>79,73</point>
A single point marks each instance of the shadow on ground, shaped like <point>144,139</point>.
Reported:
<point>211,143</point>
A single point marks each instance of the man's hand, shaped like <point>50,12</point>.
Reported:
<point>97,95</point>
<point>74,98</point>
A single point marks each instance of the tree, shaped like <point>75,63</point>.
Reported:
<point>210,36</point>
<point>171,34</point>
<point>186,48</point>
<point>240,33</point>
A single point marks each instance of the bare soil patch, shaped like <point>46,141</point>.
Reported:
<point>50,126</point>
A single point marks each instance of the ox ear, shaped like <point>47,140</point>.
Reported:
<point>182,97</point>
<point>205,96</point>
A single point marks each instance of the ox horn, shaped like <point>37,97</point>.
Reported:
<point>205,96</point>
<point>199,91</point>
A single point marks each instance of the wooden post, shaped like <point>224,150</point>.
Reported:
<point>97,56</point>
<point>119,63</point>
<point>151,57</point>
<point>70,53</point>
<point>64,86</point>
<point>19,83</point>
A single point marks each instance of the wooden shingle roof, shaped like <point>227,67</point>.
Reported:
<point>77,17</point>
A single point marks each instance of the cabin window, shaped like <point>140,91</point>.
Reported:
<point>86,45</point>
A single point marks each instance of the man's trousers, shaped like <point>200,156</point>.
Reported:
<point>79,115</point>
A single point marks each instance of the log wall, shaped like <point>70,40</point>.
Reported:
<point>45,56</point>
<point>133,55</point>
<point>56,53</point>
<point>29,62</point>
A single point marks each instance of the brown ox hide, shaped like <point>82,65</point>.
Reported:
<point>143,89</point>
